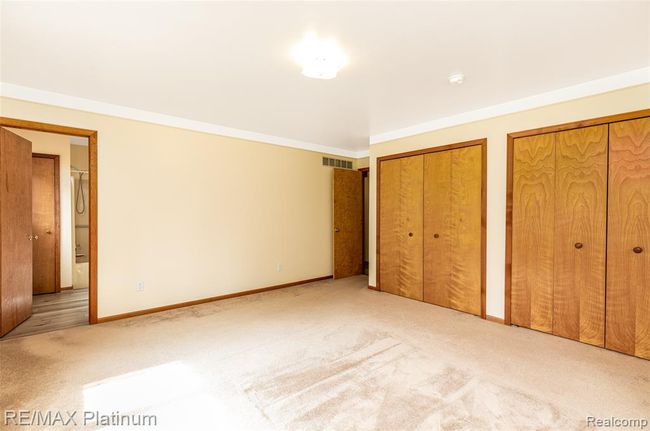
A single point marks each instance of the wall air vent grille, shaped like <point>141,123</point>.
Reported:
<point>337,163</point>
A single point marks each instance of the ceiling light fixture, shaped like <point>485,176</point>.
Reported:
<point>456,79</point>
<point>320,59</point>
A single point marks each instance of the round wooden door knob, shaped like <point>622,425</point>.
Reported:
<point>578,245</point>
<point>410,233</point>
<point>637,250</point>
<point>435,235</point>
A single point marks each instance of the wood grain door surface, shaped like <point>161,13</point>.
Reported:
<point>44,193</point>
<point>533,232</point>
<point>347,204</point>
<point>466,212</point>
<point>389,226</point>
<point>452,228</point>
<point>438,241</point>
<point>401,226</point>
<point>581,233</point>
<point>15,230</point>
<point>580,230</point>
<point>628,238</point>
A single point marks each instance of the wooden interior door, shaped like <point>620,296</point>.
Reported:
<point>15,230</point>
<point>533,232</point>
<point>628,238</point>
<point>401,229</point>
<point>389,225</point>
<point>465,228</point>
<point>580,230</point>
<point>347,204</point>
<point>452,228</point>
<point>437,242</point>
<point>45,202</point>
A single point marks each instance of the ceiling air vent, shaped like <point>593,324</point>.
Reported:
<point>337,163</point>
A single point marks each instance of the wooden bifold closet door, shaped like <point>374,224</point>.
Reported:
<point>628,238</point>
<point>580,229</point>
<point>400,215</point>
<point>533,232</point>
<point>431,238</point>
<point>452,228</point>
<point>558,233</point>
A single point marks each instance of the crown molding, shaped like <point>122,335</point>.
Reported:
<point>29,94</point>
<point>590,88</point>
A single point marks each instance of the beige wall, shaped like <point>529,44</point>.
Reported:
<point>49,143</point>
<point>495,130</point>
<point>195,215</point>
<point>363,162</point>
<point>79,157</point>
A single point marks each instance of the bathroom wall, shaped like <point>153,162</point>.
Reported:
<point>366,217</point>
<point>49,143</point>
<point>79,161</point>
<point>79,155</point>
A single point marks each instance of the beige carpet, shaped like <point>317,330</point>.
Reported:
<point>329,355</point>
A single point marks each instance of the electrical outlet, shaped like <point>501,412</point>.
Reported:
<point>140,286</point>
<point>279,267</point>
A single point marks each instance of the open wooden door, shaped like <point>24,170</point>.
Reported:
<point>15,230</point>
<point>347,220</point>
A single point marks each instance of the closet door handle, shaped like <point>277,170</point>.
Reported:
<point>410,233</point>
<point>435,235</point>
<point>578,245</point>
<point>637,250</point>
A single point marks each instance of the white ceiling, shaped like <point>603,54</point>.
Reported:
<point>230,63</point>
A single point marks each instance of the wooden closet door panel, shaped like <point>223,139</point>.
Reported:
<point>437,235</point>
<point>465,229</point>
<point>580,230</point>
<point>628,271</point>
<point>389,225</point>
<point>533,219</point>
<point>411,207</point>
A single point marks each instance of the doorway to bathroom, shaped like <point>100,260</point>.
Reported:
<point>51,183</point>
<point>80,214</point>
